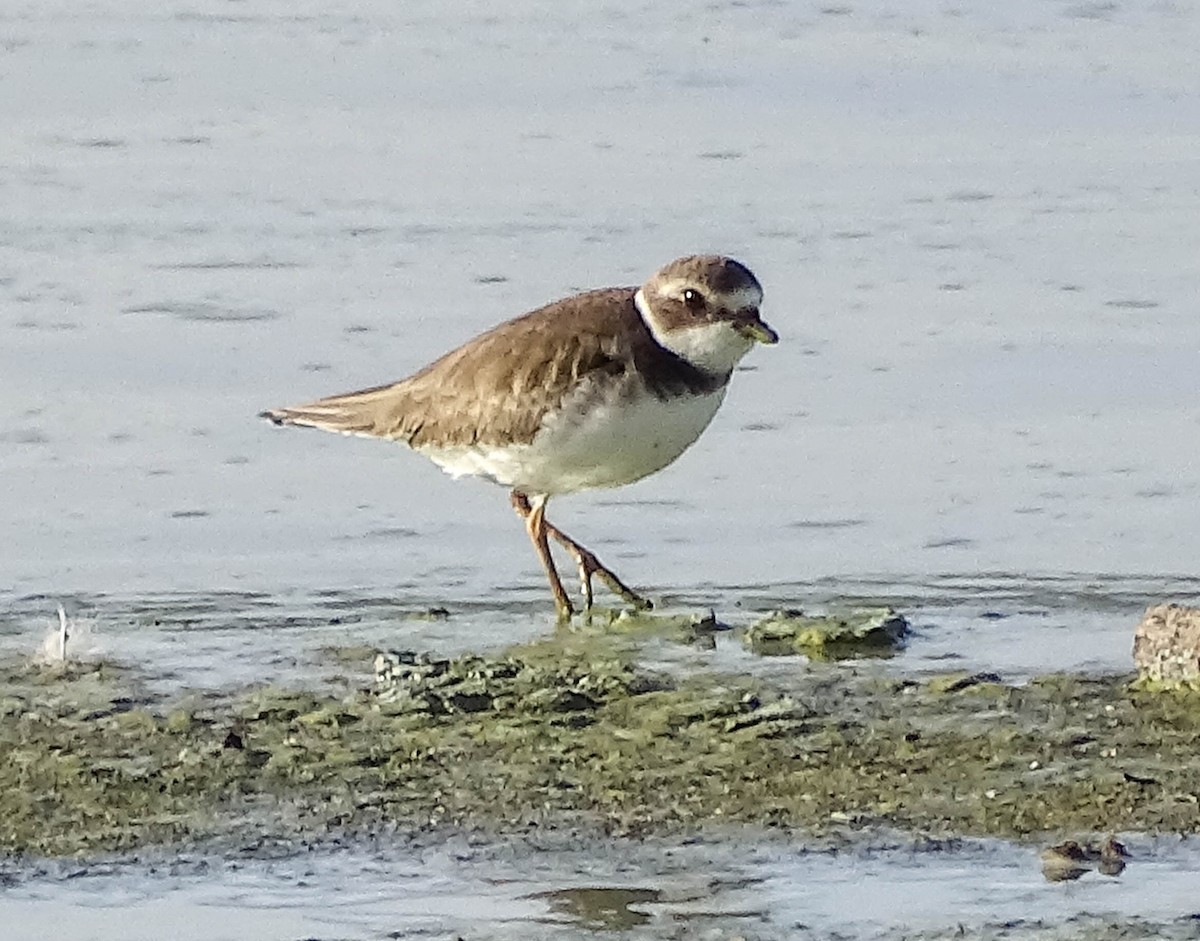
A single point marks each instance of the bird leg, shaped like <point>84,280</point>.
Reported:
<point>589,565</point>
<point>534,515</point>
<point>585,560</point>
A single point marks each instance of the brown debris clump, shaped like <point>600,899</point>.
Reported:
<point>1166,646</point>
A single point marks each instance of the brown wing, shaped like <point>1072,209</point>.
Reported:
<point>497,387</point>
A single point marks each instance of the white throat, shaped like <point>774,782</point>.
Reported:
<point>713,347</point>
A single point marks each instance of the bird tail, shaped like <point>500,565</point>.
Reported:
<point>369,412</point>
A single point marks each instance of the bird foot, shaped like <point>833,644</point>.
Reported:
<point>589,566</point>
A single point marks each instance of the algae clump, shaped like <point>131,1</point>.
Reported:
<point>872,633</point>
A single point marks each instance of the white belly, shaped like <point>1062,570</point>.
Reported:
<point>591,443</point>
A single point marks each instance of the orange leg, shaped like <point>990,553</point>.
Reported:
<point>534,515</point>
<point>585,560</point>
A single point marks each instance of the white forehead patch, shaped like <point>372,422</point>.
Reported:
<point>734,300</point>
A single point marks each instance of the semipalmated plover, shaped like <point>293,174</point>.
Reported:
<point>595,390</point>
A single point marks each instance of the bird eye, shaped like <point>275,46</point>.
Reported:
<point>694,299</point>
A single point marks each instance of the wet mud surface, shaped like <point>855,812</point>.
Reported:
<point>574,732</point>
<point>638,776</point>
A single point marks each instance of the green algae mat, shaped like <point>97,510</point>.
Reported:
<point>575,731</point>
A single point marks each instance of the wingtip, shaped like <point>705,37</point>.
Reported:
<point>274,417</point>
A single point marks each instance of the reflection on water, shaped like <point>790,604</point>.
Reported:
<point>598,907</point>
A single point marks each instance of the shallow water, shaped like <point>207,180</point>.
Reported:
<point>181,641</point>
<point>976,228</point>
<point>707,888</point>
